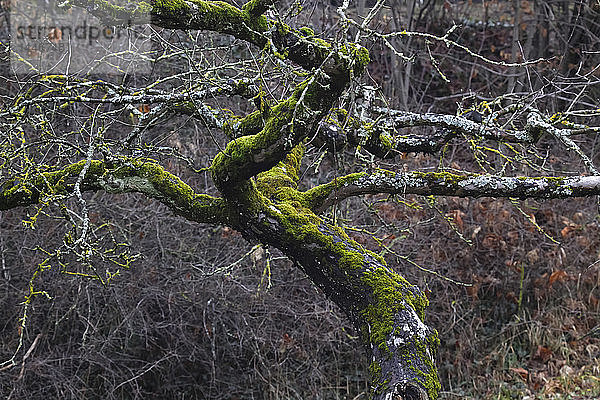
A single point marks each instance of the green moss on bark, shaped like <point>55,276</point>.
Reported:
<point>391,294</point>
<point>249,155</point>
<point>375,371</point>
<point>174,7</point>
<point>129,175</point>
<point>211,15</point>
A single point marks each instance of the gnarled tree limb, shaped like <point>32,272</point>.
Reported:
<point>449,184</point>
<point>140,176</point>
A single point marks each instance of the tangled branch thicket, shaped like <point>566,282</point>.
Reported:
<point>112,296</point>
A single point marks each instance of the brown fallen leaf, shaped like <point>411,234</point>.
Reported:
<point>559,275</point>
<point>523,373</point>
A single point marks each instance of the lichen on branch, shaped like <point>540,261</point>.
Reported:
<point>449,184</point>
<point>125,175</point>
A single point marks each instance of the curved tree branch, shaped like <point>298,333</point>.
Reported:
<point>449,184</point>
<point>141,176</point>
<point>246,23</point>
<point>291,121</point>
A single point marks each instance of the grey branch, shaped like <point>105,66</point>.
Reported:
<point>448,184</point>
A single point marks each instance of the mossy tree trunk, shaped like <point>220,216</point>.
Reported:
<point>386,310</point>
